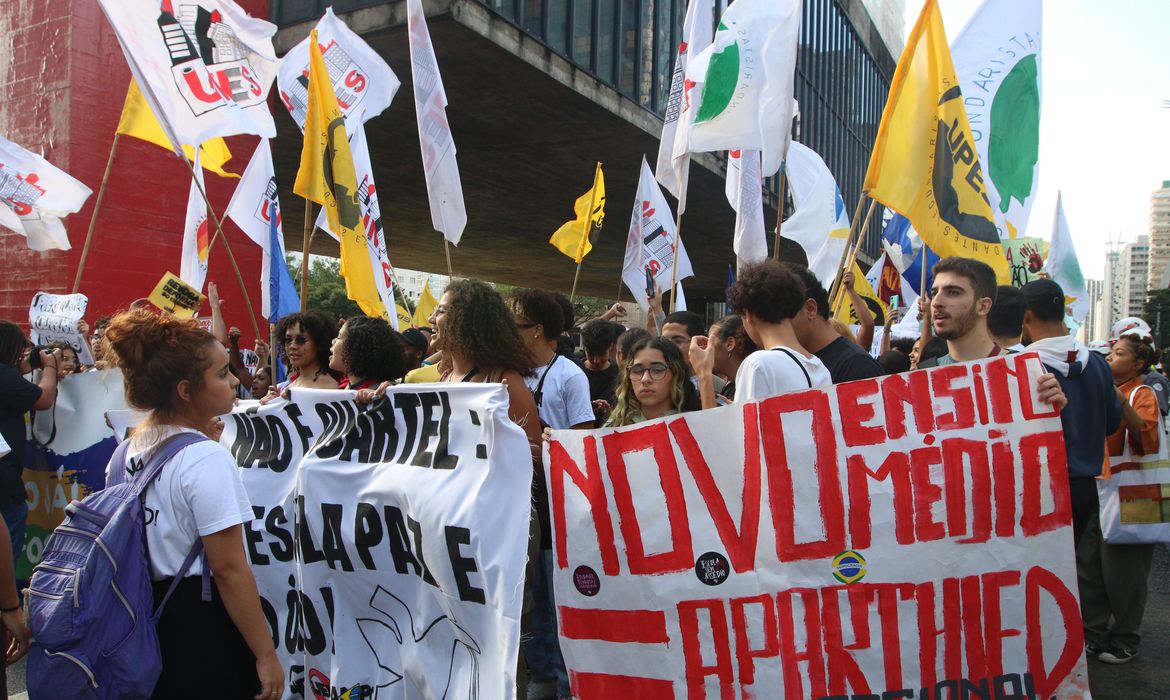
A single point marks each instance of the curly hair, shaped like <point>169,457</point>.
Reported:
<point>812,288</point>
<point>731,326</point>
<point>372,349</point>
<point>155,354</point>
<point>683,394</point>
<point>1143,350</point>
<point>318,325</point>
<point>480,327</point>
<point>768,290</point>
<point>538,306</point>
<point>13,343</point>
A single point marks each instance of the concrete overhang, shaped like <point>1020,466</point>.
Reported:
<point>529,127</point>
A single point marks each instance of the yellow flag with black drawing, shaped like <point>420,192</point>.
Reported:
<point>869,296</point>
<point>138,121</point>
<point>327,177</point>
<point>576,238</point>
<point>924,163</point>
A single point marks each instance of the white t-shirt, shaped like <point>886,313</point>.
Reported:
<point>199,492</point>
<point>767,373</point>
<point>564,400</point>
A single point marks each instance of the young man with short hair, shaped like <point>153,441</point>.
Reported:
<point>845,361</point>
<point>1005,322</point>
<point>599,339</point>
<point>767,296</point>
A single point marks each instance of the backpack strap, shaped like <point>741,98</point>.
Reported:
<point>205,592</point>
<point>799,364</point>
<point>163,454</point>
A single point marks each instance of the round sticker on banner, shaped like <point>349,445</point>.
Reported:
<point>586,582</point>
<point>712,568</point>
<point>849,567</point>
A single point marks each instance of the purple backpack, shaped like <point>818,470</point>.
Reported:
<point>90,602</point>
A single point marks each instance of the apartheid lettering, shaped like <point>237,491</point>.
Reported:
<point>911,531</point>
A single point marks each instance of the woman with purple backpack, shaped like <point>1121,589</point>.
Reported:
<point>182,376</point>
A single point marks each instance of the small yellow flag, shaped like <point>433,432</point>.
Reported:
<point>845,312</point>
<point>403,317</point>
<point>327,177</point>
<point>924,163</point>
<point>176,297</point>
<point>576,238</point>
<point>425,306</point>
<point>138,121</point>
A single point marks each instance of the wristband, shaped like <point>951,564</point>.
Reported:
<point>8,610</point>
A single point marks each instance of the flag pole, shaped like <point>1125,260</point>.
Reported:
<point>272,353</point>
<point>97,205</point>
<point>447,252</point>
<point>686,172</point>
<point>577,274</point>
<point>401,294</point>
<point>780,210</point>
<point>226,246</point>
<point>853,256</point>
<point>922,293</point>
<point>848,244</point>
<point>585,234</point>
<point>308,240</point>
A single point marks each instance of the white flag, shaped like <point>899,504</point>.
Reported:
<point>448,214</point>
<point>35,196</point>
<point>698,27</point>
<point>372,219</point>
<point>820,223</point>
<point>746,78</point>
<point>254,205</point>
<point>745,193</point>
<point>997,60</point>
<point>196,235</point>
<point>204,66</point>
<point>363,82</point>
<point>680,299</point>
<point>1065,267</point>
<point>650,241</point>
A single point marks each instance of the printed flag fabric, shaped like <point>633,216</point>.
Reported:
<point>138,121</point>
<point>904,247</point>
<point>196,235</point>
<point>879,308</point>
<point>997,59</point>
<point>575,238</point>
<point>698,27</point>
<point>327,176</point>
<point>650,241</point>
<point>747,76</point>
<point>204,66</point>
<point>1065,267</point>
<point>363,82</point>
<point>924,164</point>
<point>255,208</point>
<point>425,307</point>
<point>744,188</point>
<point>35,196</point>
<point>444,189</point>
<point>820,223</point>
<point>372,221</point>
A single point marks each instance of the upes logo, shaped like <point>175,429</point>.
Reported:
<point>958,183</point>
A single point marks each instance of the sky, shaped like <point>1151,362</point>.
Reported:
<point>1104,133</point>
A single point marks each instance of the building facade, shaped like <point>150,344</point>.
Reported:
<point>1135,265</point>
<point>1158,277</point>
<point>1089,330</point>
<point>1112,307</point>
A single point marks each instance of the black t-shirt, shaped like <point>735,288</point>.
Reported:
<point>847,362</point>
<point>17,396</point>
<point>602,385</point>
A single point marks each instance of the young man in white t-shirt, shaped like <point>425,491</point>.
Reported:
<point>767,296</point>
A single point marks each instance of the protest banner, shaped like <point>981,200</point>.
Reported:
<point>382,571</point>
<point>1025,257</point>
<point>175,296</point>
<point>906,536</point>
<point>54,317</point>
<point>67,457</point>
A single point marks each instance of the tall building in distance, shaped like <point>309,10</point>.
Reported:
<point>1135,265</point>
<point>1112,291</point>
<point>1159,237</point>
<point>1089,329</point>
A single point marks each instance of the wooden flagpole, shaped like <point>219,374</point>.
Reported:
<point>922,295</point>
<point>226,246</point>
<point>447,252</point>
<point>852,257</point>
<point>780,210</point>
<point>686,176</point>
<point>848,244</point>
<point>308,241</point>
<point>585,234</point>
<point>97,205</point>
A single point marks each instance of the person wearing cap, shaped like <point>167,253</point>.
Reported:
<point>414,346</point>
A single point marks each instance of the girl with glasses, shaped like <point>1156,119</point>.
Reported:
<point>654,383</point>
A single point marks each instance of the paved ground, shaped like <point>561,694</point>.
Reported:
<point>1145,678</point>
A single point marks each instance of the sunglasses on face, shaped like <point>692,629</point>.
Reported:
<point>295,340</point>
<point>657,371</point>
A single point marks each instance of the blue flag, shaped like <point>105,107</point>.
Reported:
<point>730,281</point>
<point>904,247</point>
<point>282,292</point>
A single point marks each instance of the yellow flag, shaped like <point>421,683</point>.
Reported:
<point>865,290</point>
<point>576,238</point>
<point>327,177</point>
<point>924,163</point>
<point>403,317</point>
<point>425,306</point>
<point>138,121</point>
<point>176,297</point>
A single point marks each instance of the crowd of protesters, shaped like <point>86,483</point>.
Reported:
<point>781,337</point>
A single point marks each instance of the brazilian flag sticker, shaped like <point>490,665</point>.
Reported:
<point>849,567</point>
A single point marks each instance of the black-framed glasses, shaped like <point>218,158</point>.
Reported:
<point>295,339</point>
<point>657,371</point>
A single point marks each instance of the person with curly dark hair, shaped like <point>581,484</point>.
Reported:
<point>368,352</point>
<point>767,296</point>
<point>732,347</point>
<point>305,339</point>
